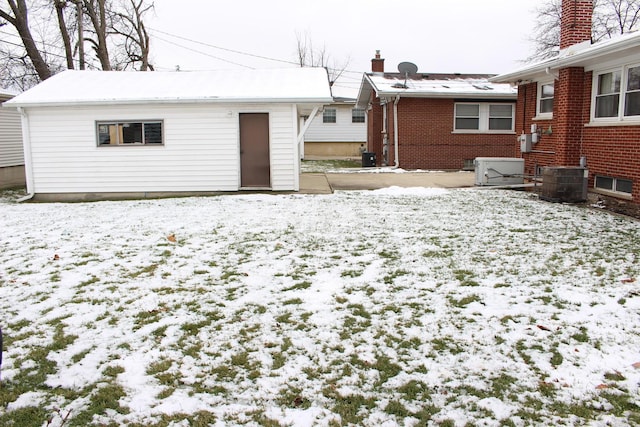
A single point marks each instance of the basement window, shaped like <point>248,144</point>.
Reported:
<point>617,185</point>
<point>130,133</point>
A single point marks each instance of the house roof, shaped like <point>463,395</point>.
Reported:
<point>432,85</point>
<point>580,55</point>
<point>7,93</point>
<point>290,85</point>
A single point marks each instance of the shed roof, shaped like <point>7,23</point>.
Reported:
<point>432,85</point>
<point>290,85</point>
<point>580,55</point>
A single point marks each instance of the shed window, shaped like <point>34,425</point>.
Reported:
<point>329,115</point>
<point>130,133</point>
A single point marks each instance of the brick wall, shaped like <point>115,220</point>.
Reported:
<point>426,140</point>
<point>612,151</point>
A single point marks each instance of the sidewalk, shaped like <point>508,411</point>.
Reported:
<point>326,183</point>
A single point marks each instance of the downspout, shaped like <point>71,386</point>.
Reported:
<point>385,136</point>
<point>28,165</point>
<point>396,161</point>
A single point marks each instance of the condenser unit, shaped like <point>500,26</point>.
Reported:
<point>499,171</point>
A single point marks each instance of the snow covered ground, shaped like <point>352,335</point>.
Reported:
<point>389,307</point>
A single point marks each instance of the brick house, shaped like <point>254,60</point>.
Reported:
<point>443,121</point>
<point>584,107</point>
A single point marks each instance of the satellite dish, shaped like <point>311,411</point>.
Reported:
<point>407,68</point>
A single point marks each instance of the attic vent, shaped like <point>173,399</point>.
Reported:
<point>483,87</point>
<point>445,86</point>
<point>400,86</point>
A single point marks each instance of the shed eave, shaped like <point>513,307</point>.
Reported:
<point>155,101</point>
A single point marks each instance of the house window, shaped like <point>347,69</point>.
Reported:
<point>545,99</point>
<point>617,94</point>
<point>130,133</point>
<point>608,94</point>
<point>500,117</point>
<point>357,115</point>
<point>329,115</point>
<point>614,184</point>
<point>632,94</point>
<point>467,117</point>
<point>483,118</point>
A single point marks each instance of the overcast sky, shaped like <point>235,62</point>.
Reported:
<point>466,36</point>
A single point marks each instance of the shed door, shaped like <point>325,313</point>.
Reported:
<point>255,165</point>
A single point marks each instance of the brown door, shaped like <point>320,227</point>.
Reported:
<point>255,165</point>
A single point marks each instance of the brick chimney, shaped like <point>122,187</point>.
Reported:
<point>377,63</point>
<point>575,22</point>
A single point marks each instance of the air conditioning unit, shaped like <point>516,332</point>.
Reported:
<point>499,171</point>
<point>564,184</point>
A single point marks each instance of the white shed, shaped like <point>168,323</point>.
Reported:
<point>97,134</point>
<point>11,154</point>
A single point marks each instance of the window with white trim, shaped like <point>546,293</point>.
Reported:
<point>130,133</point>
<point>357,115</point>
<point>617,185</point>
<point>616,94</point>
<point>329,115</point>
<point>545,99</point>
<point>483,117</point>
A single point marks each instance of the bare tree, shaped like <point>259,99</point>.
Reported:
<point>307,55</point>
<point>60,6</point>
<point>96,10</point>
<point>17,15</point>
<point>43,37</point>
<point>610,18</point>
<point>135,43</point>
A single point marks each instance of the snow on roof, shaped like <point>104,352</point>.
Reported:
<point>473,86</point>
<point>7,93</point>
<point>298,85</point>
<point>583,54</point>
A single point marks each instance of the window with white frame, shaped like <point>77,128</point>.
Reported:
<point>616,94</point>
<point>545,99</point>
<point>357,115</point>
<point>483,117</point>
<point>632,92</point>
<point>129,133</point>
<point>329,115</point>
<point>617,185</point>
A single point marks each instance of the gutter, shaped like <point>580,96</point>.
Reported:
<point>162,101</point>
<point>593,52</point>
<point>28,164</point>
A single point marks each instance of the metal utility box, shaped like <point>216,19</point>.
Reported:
<point>564,184</point>
<point>368,160</point>
<point>499,171</point>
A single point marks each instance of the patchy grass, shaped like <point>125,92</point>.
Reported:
<point>350,309</point>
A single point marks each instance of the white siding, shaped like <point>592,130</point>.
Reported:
<point>340,131</point>
<point>200,151</point>
<point>11,153</point>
